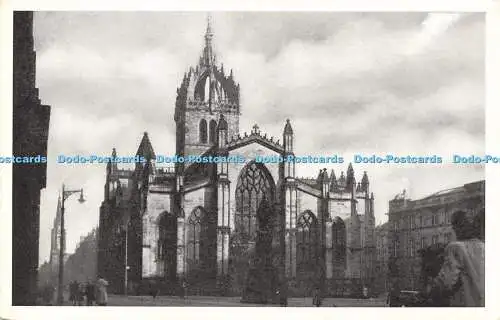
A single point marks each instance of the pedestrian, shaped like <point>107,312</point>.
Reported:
<point>48,294</point>
<point>81,294</point>
<point>101,292</point>
<point>184,288</point>
<point>154,290</point>
<point>393,296</point>
<point>90,293</point>
<point>317,297</point>
<point>461,278</point>
<point>73,292</point>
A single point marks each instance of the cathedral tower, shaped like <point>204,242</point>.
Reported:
<point>206,93</point>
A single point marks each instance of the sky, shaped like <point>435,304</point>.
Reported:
<point>350,83</point>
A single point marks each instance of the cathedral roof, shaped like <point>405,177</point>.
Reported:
<point>145,148</point>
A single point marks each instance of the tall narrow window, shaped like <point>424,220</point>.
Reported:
<point>307,242</point>
<point>203,131</point>
<point>167,243</point>
<point>339,244</point>
<point>213,131</point>
<point>194,237</point>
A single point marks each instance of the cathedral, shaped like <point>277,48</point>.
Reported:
<point>232,228</point>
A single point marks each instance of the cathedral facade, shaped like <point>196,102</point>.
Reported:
<point>210,224</point>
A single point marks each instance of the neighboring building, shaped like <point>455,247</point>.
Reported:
<point>82,264</point>
<point>30,132</point>
<point>200,220</point>
<point>417,224</point>
<point>55,240</point>
<point>382,261</point>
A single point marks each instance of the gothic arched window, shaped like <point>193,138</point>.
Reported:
<point>194,237</point>
<point>203,131</point>
<point>254,183</point>
<point>167,243</point>
<point>307,242</point>
<point>213,131</point>
<point>339,244</point>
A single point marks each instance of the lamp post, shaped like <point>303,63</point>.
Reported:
<point>65,195</point>
<point>125,289</point>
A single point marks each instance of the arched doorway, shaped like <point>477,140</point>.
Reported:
<point>167,244</point>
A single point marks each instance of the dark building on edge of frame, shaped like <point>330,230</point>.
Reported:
<point>30,131</point>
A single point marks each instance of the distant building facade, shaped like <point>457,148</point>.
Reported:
<point>30,132</point>
<point>199,221</point>
<point>55,240</point>
<point>417,224</point>
<point>382,261</point>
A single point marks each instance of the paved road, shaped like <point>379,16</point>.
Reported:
<point>203,301</point>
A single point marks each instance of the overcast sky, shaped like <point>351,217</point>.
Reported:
<point>376,83</point>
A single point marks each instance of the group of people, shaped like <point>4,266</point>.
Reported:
<point>460,282</point>
<point>92,293</point>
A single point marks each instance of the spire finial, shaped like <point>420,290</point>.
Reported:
<point>208,57</point>
<point>209,22</point>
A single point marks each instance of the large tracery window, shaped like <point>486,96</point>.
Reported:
<point>254,184</point>
<point>194,233</point>
<point>203,131</point>
<point>307,242</point>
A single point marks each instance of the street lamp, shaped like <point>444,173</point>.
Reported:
<point>65,195</point>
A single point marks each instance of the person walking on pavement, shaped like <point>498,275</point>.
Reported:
<point>317,297</point>
<point>81,294</point>
<point>73,292</point>
<point>102,293</point>
<point>90,293</point>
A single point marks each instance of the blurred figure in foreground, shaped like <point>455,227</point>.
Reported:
<point>90,293</point>
<point>101,292</point>
<point>461,278</point>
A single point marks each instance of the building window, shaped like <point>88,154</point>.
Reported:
<point>447,237</point>
<point>396,248</point>
<point>307,242</point>
<point>254,184</point>
<point>194,237</point>
<point>410,245</point>
<point>423,242</point>
<point>203,131</point>
<point>167,243</point>
<point>339,243</point>
<point>447,217</point>
<point>421,221</point>
<point>434,219</point>
<point>213,131</point>
<point>435,239</point>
